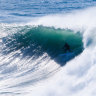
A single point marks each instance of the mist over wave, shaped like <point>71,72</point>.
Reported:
<point>76,78</point>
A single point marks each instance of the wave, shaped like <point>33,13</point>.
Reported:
<point>29,53</point>
<point>35,41</point>
<point>35,51</point>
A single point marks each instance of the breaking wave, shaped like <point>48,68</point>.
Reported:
<point>33,52</point>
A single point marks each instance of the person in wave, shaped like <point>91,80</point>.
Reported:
<point>66,47</point>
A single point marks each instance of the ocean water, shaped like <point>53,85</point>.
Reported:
<point>33,56</point>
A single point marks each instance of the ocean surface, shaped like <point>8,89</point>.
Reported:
<point>47,47</point>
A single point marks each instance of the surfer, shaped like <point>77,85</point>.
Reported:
<point>66,47</point>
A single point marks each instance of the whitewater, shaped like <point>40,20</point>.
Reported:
<point>25,74</point>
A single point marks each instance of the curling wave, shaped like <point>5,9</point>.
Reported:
<point>35,41</point>
<point>30,50</point>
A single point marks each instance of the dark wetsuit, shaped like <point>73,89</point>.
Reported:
<point>66,47</point>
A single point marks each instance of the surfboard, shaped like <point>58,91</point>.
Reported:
<point>66,56</point>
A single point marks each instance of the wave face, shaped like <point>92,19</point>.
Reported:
<point>35,41</point>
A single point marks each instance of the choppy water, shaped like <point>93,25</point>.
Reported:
<point>33,61</point>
